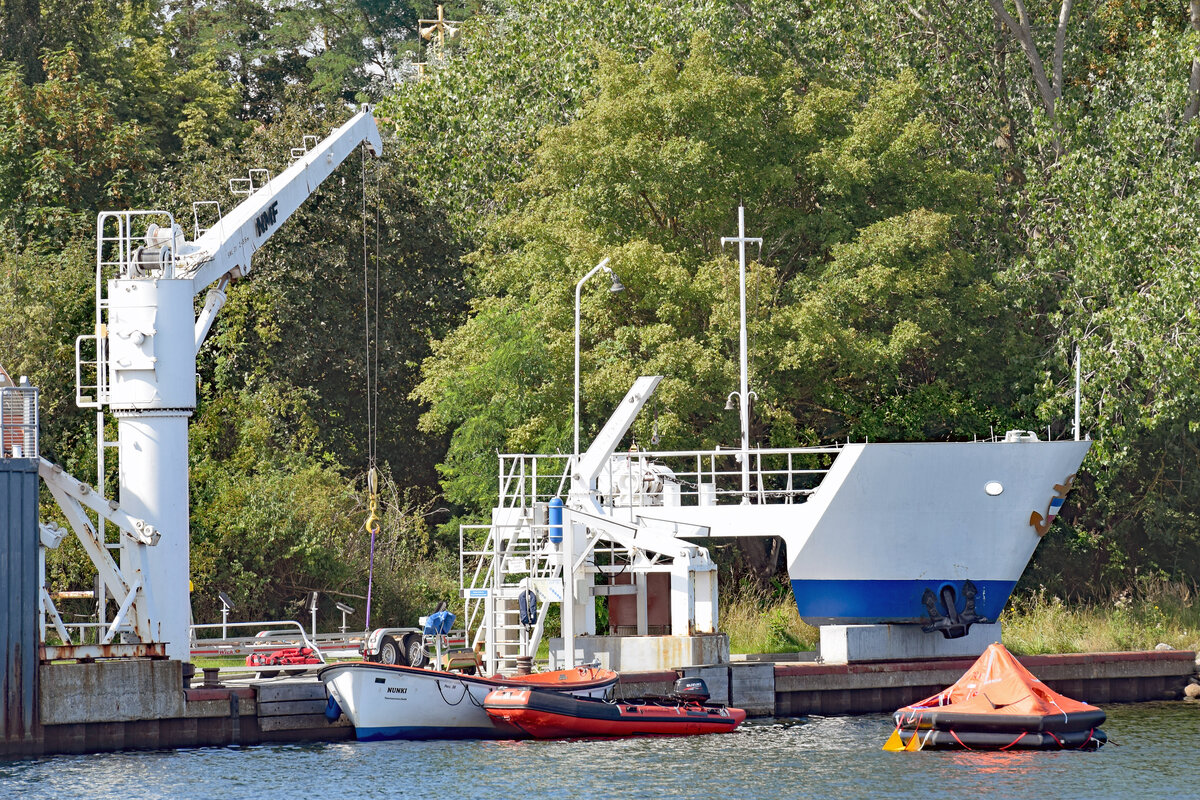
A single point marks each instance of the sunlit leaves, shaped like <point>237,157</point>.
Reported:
<point>866,296</point>
<point>1113,254</point>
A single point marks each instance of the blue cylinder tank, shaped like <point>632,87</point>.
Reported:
<point>556,507</point>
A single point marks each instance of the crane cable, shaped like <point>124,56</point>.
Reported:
<point>371,341</point>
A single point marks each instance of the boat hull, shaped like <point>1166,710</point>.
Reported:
<point>394,702</point>
<point>892,521</point>
<point>866,601</point>
<point>545,715</point>
<point>889,522</point>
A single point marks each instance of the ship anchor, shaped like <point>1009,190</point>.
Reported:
<point>952,624</point>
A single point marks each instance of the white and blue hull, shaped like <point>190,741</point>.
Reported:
<point>890,521</point>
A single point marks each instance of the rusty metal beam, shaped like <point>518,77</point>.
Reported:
<point>91,652</point>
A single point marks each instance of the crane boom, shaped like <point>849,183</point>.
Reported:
<point>145,345</point>
<point>226,248</point>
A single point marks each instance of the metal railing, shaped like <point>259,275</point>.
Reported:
<point>677,477</point>
<point>128,244</point>
<point>19,421</point>
<point>490,554</point>
<point>272,635</point>
<point>497,562</point>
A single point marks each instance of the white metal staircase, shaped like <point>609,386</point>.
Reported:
<point>511,558</point>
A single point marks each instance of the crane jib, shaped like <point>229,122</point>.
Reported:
<point>266,219</point>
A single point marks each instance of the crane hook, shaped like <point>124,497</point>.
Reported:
<point>372,524</point>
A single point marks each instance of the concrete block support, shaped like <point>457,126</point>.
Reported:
<point>111,691</point>
<point>752,687</point>
<point>847,644</point>
<point>717,678</point>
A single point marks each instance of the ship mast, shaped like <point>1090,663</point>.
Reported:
<point>743,393</point>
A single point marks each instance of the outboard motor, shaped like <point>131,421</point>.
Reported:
<point>690,690</point>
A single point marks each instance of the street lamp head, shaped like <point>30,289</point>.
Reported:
<point>729,402</point>
<point>617,286</point>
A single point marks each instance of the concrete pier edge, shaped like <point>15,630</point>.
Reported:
<point>130,705</point>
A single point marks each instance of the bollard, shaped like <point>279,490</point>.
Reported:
<point>212,677</point>
<point>189,672</point>
<point>524,665</point>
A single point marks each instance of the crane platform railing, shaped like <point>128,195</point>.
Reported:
<point>674,477</point>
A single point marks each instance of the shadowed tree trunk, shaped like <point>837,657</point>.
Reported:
<point>1049,88</point>
<point>760,556</point>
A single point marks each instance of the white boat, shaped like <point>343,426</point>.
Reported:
<point>385,701</point>
<point>932,535</point>
<point>889,529</point>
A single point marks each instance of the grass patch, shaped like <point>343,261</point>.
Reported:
<point>760,623</point>
<point>1157,613</point>
<point>218,661</point>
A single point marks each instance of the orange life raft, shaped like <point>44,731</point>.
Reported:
<point>998,705</point>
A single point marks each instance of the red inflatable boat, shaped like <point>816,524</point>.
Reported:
<point>552,715</point>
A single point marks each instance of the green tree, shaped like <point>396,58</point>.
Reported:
<point>1111,267</point>
<point>46,300</point>
<point>21,34</point>
<point>865,293</point>
<point>63,152</point>
<point>273,519</point>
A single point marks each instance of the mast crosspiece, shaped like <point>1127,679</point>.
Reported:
<point>440,27</point>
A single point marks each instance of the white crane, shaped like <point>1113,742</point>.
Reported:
<point>146,340</point>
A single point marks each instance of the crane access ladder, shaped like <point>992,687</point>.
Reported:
<point>497,563</point>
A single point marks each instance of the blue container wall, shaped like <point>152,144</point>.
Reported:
<point>19,540</point>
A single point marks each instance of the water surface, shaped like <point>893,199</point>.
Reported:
<point>825,757</point>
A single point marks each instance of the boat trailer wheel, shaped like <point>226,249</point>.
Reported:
<point>414,649</point>
<point>389,651</point>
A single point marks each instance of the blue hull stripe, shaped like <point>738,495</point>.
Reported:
<point>848,602</point>
<point>425,732</point>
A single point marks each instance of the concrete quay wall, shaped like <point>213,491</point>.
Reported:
<point>140,704</point>
<point>800,689</point>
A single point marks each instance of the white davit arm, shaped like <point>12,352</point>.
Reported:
<point>226,248</point>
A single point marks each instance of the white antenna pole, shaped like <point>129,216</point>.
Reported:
<point>1078,359</point>
<point>744,390</point>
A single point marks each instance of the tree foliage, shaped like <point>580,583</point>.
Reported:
<point>1112,267</point>
<point>861,302</point>
<point>63,151</point>
<point>938,239</point>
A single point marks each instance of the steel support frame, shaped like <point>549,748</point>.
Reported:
<point>126,587</point>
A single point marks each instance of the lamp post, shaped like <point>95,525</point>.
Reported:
<point>743,393</point>
<point>616,287</point>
